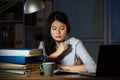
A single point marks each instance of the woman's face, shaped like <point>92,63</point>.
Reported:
<point>58,31</point>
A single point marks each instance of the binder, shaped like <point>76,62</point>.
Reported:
<point>21,56</point>
<point>21,59</point>
<point>20,52</point>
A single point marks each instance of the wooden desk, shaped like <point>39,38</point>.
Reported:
<point>36,76</point>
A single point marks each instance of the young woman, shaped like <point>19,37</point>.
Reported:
<point>64,49</point>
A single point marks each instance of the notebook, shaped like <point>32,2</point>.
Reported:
<point>108,64</point>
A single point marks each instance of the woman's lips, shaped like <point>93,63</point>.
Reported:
<point>58,36</point>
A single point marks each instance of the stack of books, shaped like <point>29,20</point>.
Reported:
<point>15,61</point>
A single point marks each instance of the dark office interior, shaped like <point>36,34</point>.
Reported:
<point>96,22</point>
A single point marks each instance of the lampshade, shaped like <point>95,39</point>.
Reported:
<point>32,6</point>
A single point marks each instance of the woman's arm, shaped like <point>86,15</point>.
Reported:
<point>60,49</point>
<point>80,68</point>
<point>85,57</point>
<point>77,67</point>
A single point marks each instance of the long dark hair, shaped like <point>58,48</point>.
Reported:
<point>49,42</point>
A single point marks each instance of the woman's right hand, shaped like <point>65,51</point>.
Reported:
<point>62,47</point>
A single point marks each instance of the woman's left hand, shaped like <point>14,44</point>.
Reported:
<point>63,67</point>
<point>80,68</point>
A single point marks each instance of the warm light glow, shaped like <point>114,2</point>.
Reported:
<point>32,8</point>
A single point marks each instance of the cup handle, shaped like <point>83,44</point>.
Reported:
<point>41,68</point>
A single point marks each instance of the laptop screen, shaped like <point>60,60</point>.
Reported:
<point>108,61</point>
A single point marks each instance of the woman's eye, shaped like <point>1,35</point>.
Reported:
<point>62,28</point>
<point>53,28</point>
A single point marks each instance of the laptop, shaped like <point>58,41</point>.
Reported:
<point>108,64</point>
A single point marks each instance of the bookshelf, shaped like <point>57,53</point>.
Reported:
<point>17,30</point>
<point>11,16</point>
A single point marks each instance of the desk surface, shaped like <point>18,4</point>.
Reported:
<point>36,76</point>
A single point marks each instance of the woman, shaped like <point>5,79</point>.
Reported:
<point>65,50</point>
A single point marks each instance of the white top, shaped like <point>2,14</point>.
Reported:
<point>76,50</point>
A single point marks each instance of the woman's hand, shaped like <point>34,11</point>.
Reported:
<point>63,67</point>
<point>80,68</point>
<point>62,47</point>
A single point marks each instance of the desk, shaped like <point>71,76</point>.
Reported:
<point>36,76</point>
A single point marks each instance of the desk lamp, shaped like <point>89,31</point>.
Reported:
<point>32,6</point>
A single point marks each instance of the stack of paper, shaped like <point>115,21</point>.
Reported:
<point>9,68</point>
<point>13,61</point>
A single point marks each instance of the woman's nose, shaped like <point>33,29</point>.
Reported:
<point>57,31</point>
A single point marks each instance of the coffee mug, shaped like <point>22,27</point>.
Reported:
<point>47,68</point>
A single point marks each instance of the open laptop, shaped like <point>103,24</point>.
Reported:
<point>108,64</point>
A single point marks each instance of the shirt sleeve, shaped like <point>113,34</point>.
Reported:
<point>85,57</point>
<point>41,46</point>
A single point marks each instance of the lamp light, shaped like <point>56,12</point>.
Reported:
<point>32,6</point>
